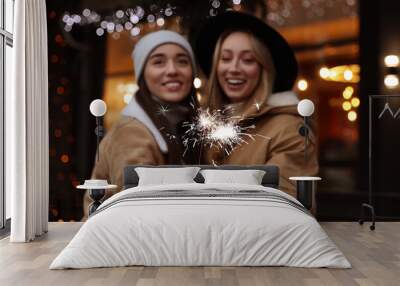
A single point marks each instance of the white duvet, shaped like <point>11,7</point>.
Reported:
<point>200,231</point>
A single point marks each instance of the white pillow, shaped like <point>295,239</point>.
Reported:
<point>248,177</point>
<point>163,176</point>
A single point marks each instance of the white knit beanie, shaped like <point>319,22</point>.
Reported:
<point>151,41</point>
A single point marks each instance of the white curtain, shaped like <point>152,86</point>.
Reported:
<point>27,167</point>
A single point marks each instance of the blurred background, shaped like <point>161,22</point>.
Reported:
<point>340,46</point>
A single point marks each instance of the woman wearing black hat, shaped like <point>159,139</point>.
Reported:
<point>251,71</point>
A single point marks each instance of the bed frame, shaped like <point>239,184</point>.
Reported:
<point>270,179</point>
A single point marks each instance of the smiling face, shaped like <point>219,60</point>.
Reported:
<point>168,73</point>
<point>238,71</point>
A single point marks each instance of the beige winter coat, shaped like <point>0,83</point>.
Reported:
<point>276,141</point>
<point>133,140</point>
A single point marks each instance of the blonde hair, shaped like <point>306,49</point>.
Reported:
<point>215,97</point>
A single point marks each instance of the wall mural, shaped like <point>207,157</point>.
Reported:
<point>205,83</point>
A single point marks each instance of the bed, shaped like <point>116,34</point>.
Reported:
<point>201,224</point>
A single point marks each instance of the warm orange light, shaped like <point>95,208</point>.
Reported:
<point>60,90</point>
<point>65,108</point>
<point>198,96</point>
<point>197,82</point>
<point>352,116</point>
<point>348,92</point>
<point>348,75</point>
<point>64,158</point>
<point>391,81</point>
<point>355,102</point>
<point>302,85</point>
<point>346,106</point>
<point>345,73</point>
<point>59,39</point>
<point>324,72</point>
<point>391,61</point>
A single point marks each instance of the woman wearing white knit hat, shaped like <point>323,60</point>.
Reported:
<point>151,129</point>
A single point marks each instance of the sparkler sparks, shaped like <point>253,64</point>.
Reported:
<point>216,129</point>
<point>162,109</point>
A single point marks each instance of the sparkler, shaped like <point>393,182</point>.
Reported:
<point>162,109</point>
<point>216,129</point>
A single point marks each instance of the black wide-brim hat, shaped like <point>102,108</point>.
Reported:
<point>282,55</point>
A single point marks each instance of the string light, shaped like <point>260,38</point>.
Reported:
<point>344,73</point>
<point>352,116</point>
<point>348,92</point>
<point>160,22</point>
<point>391,61</point>
<point>213,12</point>
<point>302,85</point>
<point>60,148</point>
<point>151,18</point>
<point>119,28</point>
<point>64,158</point>
<point>119,14</point>
<point>391,81</point>
<point>86,12</point>
<point>355,102</point>
<point>279,10</point>
<point>100,31</point>
<point>59,39</point>
<point>134,19</point>
<point>168,12</point>
<point>348,75</point>
<point>346,106</point>
<point>120,17</point>
<point>128,26</point>
<point>215,4</point>
<point>135,31</point>
<point>60,90</point>
<point>324,72</point>
<point>197,83</point>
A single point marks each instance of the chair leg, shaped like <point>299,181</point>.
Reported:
<point>362,219</point>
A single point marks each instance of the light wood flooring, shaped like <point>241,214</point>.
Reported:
<point>375,256</point>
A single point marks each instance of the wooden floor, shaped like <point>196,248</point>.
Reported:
<point>375,256</point>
